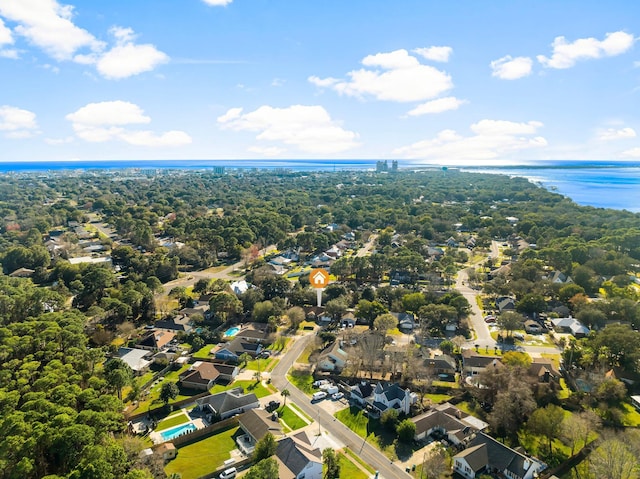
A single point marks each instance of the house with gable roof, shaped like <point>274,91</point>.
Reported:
<point>570,325</point>
<point>392,396</point>
<point>156,340</point>
<point>232,350</point>
<point>485,454</point>
<point>332,358</point>
<point>298,459</point>
<point>256,423</point>
<point>226,404</point>
<point>474,363</point>
<point>202,375</point>
<point>449,421</point>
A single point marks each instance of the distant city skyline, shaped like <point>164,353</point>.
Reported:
<point>451,83</point>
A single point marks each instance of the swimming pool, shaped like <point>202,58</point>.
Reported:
<point>174,432</point>
<point>231,332</point>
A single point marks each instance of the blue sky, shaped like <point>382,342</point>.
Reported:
<point>465,82</point>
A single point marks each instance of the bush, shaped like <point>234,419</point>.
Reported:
<point>389,419</point>
<point>406,430</point>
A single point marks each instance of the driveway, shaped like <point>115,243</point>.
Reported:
<point>483,335</point>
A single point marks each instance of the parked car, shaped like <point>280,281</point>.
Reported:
<point>490,319</point>
<point>272,406</point>
<point>319,396</point>
<point>230,473</point>
<point>332,389</point>
<point>337,396</point>
<point>320,382</point>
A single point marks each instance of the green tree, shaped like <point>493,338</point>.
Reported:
<point>547,422</point>
<point>413,302</point>
<point>265,469</point>
<point>169,391</point>
<point>331,463</point>
<point>265,447</point>
<point>406,430</point>
<point>509,321</point>
<point>243,359</point>
<point>389,419</point>
<point>369,310</point>
<point>385,322</point>
<point>285,394</point>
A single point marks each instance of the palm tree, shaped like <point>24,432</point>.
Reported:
<point>244,358</point>
<point>285,394</point>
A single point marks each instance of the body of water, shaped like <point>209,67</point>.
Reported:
<point>599,184</point>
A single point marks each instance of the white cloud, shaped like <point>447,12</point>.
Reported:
<point>493,140</point>
<point>10,53</point>
<point>16,122</point>
<point>436,54</point>
<point>437,106</point>
<point>394,76</point>
<point>277,82</point>
<point>58,141</point>
<point>48,25</point>
<point>565,55</point>
<point>632,153</point>
<point>218,3</point>
<point>108,121</point>
<point>309,128</point>
<point>6,37</point>
<point>267,150</point>
<point>508,68</point>
<point>615,134</point>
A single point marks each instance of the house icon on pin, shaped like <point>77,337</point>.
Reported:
<point>319,278</point>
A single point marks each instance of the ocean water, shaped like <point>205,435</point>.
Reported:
<point>614,186</point>
<point>598,184</point>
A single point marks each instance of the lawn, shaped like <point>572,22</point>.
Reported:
<point>204,352</point>
<point>304,357</point>
<point>353,457</point>
<point>262,364</point>
<point>250,386</point>
<point>302,379</point>
<point>348,470</point>
<point>203,457</point>
<point>438,398</point>
<point>631,415</point>
<point>290,418</point>
<point>171,421</point>
<point>153,398</point>
<point>446,384</point>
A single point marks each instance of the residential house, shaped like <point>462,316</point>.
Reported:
<point>486,455</point>
<point>256,423</point>
<point>226,404</point>
<point>559,277</point>
<point>392,396</point>
<point>199,309</point>
<point>406,321</point>
<point>279,261</point>
<point>232,350</point>
<point>22,273</point>
<point>505,303</point>
<point>332,358</point>
<point>156,340</point>
<point>449,421</point>
<point>635,400</point>
<point>298,459</point>
<point>544,370</point>
<point>239,287</point>
<point>348,320</point>
<point>254,333</point>
<point>474,363</point>
<point>362,393</point>
<point>180,323</point>
<point>570,325</point>
<point>137,359</point>
<point>442,364</point>
<point>203,375</point>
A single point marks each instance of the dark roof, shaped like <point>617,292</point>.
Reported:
<point>502,457</point>
<point>258,422</point>
<point>435,418</point>
<point>363,389</point>
<point>473,360</point>
<point>540,365</point>
<point>239,346</point>
<point>443,361</point>
<point>296,455</point>
<point>200,373</point>
<point>476,457</point>
<point>227,400</point>
<point>391,391</point>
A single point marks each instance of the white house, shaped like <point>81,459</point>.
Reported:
<point>298,459</point>
<point>332,358</point>
<point>570,325</point>
<point>392,396</point>
<point>635,400</point>
<point>485,454</point>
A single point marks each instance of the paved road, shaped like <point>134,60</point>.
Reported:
<point>368,246</point>
<point>339,431</point>
<point>483,335</point>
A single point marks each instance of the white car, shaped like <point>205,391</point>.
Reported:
<point>337,396</point>
<point>229,473</point>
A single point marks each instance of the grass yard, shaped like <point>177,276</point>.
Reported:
<point>304,357</point>
<point>353,457</point>
<point>262,364</point>
<point>153,398</point>
<point>290,418</point>
<point>203,457</point>
<point>204,352</point>
<point>631,415</point>
<point>172,420</point>
<point>307,326</point>
<point>438,398</point>
<point>348,469</point>
<point>302,379</point>
<point>259,389</point>
<point>565,392</point>
<point>446,384</point>
<point>300,412</point>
